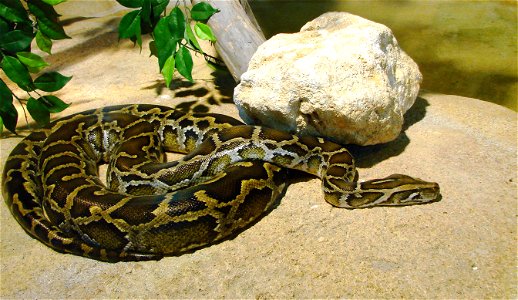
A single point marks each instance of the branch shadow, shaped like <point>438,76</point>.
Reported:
<point>369,156</point>
<point>196,97</point>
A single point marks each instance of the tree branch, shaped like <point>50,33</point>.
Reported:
<point>237,32</point>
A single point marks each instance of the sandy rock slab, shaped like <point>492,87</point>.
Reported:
<point>461,247</point>
<point>341,77</point>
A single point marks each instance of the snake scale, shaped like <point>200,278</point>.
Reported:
<point>149,208</point>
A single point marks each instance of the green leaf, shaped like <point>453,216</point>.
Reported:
<point>43,10</point>
<point>33,61</point>
<point>204,32</point>
<point>183,63</point>
<point>129,26</point>
<point>12,10</point>
<point>145,12</point>
<point>39,112</point>
<point>9,116</point>
<point>152,49</point>
<point>47,19</point>
<point>158,7</point>
<point>168,70</point>
<point>26,27</point>
<point>202,11</point>
<point>43,42</point>
<point>131,3</point>
<point>16,40</point>
<point>5,93</point>
<point>19,74</point>
<point>176,23</point>
<point>54,2</point>
<point>165,44</point>
<point>191,38</point>
<point>51,81</point>
<point>53,103</point>
<point>8,112</point>
<point>4,27</point>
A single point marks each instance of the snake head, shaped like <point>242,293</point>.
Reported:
<point>400,190</point>
<point>394,190</point>
<point>420,193</point>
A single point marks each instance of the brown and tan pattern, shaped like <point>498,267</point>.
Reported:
<point>231,174</point>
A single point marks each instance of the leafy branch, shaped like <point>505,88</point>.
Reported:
<point>21,23</point>
<point>173,35</point>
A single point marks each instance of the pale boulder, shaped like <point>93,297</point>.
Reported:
<point>341,77</point>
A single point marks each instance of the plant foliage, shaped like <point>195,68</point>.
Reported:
<point>20,24</point>
<point>173,36</point>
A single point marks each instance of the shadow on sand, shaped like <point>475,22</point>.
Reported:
<point>368,156</point>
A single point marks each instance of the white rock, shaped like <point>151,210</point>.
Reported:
<point>342,77</point>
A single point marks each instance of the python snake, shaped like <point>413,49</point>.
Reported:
<point>150,208</point>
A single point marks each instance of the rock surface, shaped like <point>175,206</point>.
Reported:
<point>461,247</point>
<point>341,76</point>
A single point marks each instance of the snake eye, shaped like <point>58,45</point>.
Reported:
<point>424,195</point>
<point>415,196</point>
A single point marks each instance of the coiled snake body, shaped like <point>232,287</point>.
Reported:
<point>231,174</point>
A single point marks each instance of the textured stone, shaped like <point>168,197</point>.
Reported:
<point>341,76</point>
